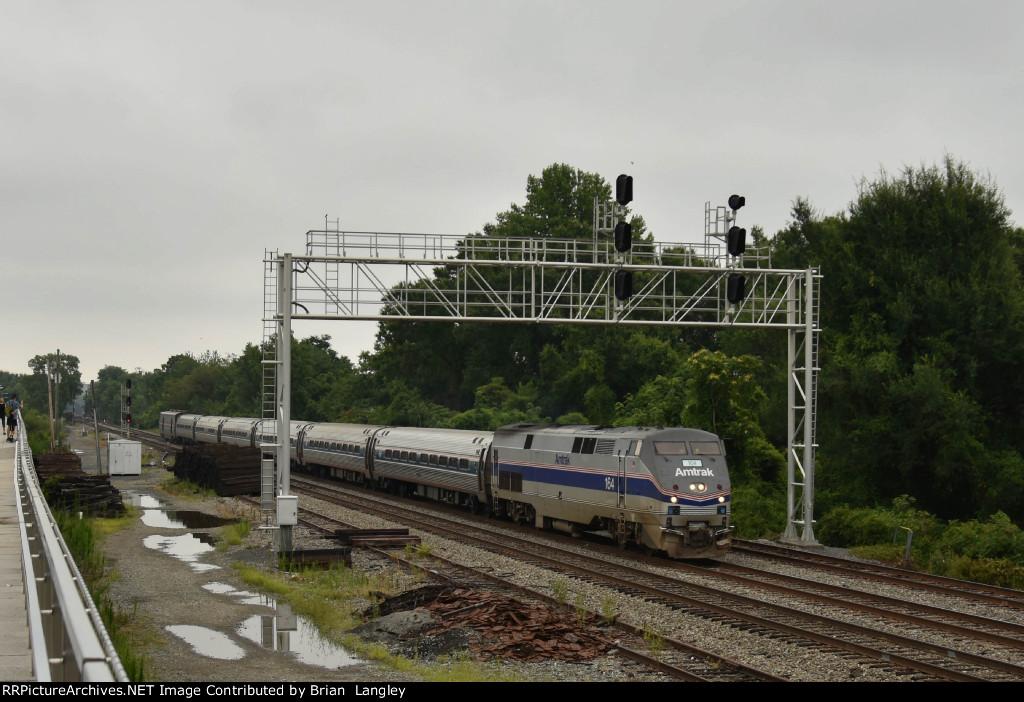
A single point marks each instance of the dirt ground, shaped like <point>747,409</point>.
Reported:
<point>199,622</point>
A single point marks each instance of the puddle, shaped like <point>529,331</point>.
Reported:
<point>186,547</point>
<point>244,596</point>
<point>207,642</point>
<point>144,501</point>
<point>289,633</point>
<point>181,519</point>
<point>219,588</point>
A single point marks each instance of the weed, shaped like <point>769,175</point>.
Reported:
<point>235,533</point>
<point>653,639</point>
<point>609,609</point>
<point>187,490</point>
<point>560,588</point>
<point>580,605</point>
<point>82,539</point>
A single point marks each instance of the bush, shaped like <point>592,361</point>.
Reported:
<point>996,539</point>
<point>855,526</point>
<point>846,526</point>
<point>759,510</point>
<point>1001,572</point>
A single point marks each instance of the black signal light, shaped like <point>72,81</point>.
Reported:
<point>623,236</point>
<point>623,285</point>
<point>736,202</point>
<point>128,383</point>
<point>128,418</point>
<point>737,241</point>
<point>624,189</point>
<point>736,288</point>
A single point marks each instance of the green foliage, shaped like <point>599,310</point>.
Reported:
<point>654,639</point>
<point>37,394</point>
<point>560,589</point>
<point>989,551</point>
<point>38,427</point>
<point>497,405</point>
<point>1002,572</point>
<point>860,526</point>
<point>718,393</point>
<point>234,534</point>
<point>580,607</point>
<point>186,489</point>
<point>609,609</point>
<point>996,538</point>
<point>81,537</point>
<point>853,526</point>
<point>924,316</point>
<point>758,509</point>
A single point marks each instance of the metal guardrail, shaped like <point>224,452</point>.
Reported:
<point>68,639</point>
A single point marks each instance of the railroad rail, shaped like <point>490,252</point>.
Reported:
<point>833,630</point>
<point>979,592</point>
<point>678,660</point>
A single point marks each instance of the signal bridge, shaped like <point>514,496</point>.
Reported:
<point>606,280</point>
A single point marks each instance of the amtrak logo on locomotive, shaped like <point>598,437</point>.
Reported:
<point>692,472</point>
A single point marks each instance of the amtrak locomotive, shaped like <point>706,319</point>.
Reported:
<point>662,489</point>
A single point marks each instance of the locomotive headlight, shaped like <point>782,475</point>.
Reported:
<point>693,487</point>
<point>673,499</point>
<point>721,499</point>
<point>701,487</point>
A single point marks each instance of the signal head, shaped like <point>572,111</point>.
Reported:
<point>736,242</point>
<point>623,237</point>
<point>736,202</point>
<point>624,189</point>
<point>736,288</point>
<point>623,285</point>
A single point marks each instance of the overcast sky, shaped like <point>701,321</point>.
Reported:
<point>151,151</point>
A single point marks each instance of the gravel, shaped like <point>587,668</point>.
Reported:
<point>166,591</point>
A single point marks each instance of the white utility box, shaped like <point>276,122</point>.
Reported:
<point>124,457</point>
<point>287,510</point>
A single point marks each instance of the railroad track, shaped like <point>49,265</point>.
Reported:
<point>676,660</point>
<point>877,631</point>
<point>924,641</point>
<point>978,592</point>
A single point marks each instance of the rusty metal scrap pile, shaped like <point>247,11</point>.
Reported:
<point>510,629</point>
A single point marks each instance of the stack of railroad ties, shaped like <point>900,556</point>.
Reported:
<point>68,487</point>
<point>227,470</point>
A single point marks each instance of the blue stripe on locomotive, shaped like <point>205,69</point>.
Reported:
<point>637,484</point>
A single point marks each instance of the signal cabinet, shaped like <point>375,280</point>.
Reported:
<point>124,457</point>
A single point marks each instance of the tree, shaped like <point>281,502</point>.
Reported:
<point>923,317</point>
<point>446,363</point>
<point>63,367</point>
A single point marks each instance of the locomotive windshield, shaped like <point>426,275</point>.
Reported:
<point>706,448</point>
<point>670,448</point>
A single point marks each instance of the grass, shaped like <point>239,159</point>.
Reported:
<point>560,589</point>
<point>83,537</point>
<point>653,638</point>
<point>187,490</point>
<point>609,609</point>
<point>334,600</point>
<point>580,606</point>
<point>234,534</point>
